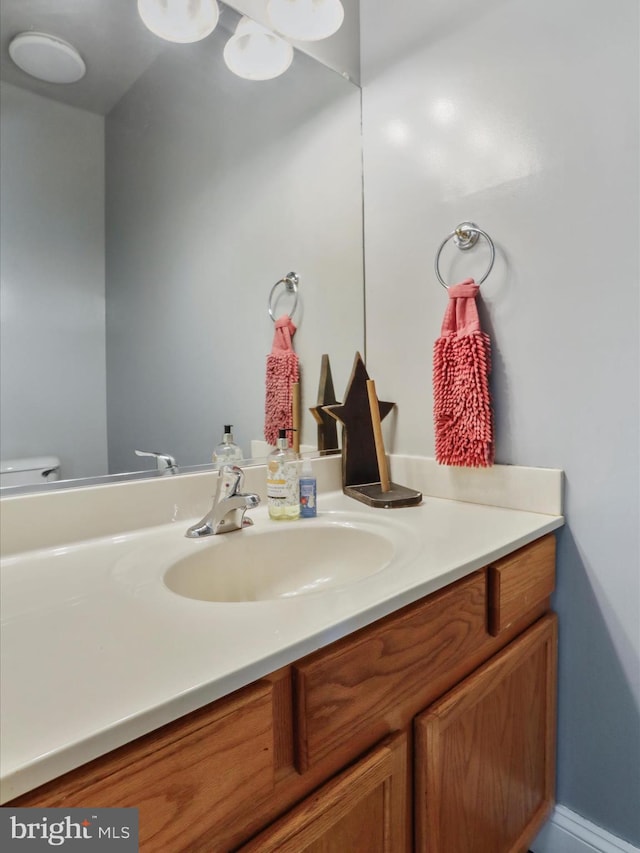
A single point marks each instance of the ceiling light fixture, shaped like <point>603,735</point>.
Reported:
<point>47,57</point>
<point>306,20</point>
<point>179,21</point>
<point>255,53</point>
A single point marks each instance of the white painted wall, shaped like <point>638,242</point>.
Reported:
<point>523,117</point>
<point>52,260</point>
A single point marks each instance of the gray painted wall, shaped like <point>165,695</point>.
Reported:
<point>523,117</point>
<point>52,259</point>
<point>217,187</point>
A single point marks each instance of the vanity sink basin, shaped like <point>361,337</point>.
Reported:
<point>286,561</point>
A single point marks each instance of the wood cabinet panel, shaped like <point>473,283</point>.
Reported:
<point>362,810</point>
<point>188,780</point>
<point>351,694</point>
<point>485,752</point>
<point>519,582</point>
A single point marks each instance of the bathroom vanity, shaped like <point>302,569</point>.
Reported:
<point>410,709</point>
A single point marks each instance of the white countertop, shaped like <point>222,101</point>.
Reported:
<point>97,651</point>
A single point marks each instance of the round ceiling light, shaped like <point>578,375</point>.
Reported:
<point>306,20</point>
<point>255,53</point>
<point>181,21</point>
<point>47,57</point>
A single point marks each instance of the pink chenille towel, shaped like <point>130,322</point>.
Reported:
<point>282,372</point>
<point>461,364</point>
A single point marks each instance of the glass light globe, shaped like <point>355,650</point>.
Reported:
<point>306,20</point>
<point>179,21</point>
<point>255,53</point>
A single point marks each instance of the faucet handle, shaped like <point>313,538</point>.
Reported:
<point>230,480</point>
<point>164,462</point>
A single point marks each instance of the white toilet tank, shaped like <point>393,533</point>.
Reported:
<point>29,470</point>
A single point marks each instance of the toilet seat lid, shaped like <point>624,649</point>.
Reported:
<point>29,463</point>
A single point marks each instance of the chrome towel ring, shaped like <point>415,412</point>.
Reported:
<point>465,236</point>
<point>290,281</point>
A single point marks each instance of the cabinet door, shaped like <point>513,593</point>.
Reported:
<point>362,810</point>
<point>189,780</point>
<point>485,752</point>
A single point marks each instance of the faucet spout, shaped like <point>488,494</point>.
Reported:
<point>229,506</point>
<point>164,462</point>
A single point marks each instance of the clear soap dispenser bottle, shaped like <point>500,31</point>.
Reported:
<point>227,452</point>
<point>283,495</point>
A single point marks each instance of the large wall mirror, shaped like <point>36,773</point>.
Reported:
<point>147,211</point>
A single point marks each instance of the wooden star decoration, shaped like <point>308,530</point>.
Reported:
<point>327,425</point>
<point>359,461</point>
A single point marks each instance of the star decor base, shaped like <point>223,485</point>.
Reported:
<point>372,495</point>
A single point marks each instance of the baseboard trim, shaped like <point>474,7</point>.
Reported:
<point>567,832</point>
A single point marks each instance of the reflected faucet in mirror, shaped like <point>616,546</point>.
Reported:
<point>229,506</point>
<point>164,462</point>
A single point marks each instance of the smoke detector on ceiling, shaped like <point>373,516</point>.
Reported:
<point>47,57</point>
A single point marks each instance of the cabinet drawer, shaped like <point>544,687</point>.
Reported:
<point>352,694</point>
<point>520,581</point>
<point>189,780</point>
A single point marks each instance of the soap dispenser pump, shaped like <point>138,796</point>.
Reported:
<point>283,494</point>
<point>227,452</point>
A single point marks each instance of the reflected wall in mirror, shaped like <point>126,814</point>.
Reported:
<point>147,211</point>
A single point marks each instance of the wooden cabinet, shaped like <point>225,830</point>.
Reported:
<point>360,688</point>
<point>431,729</point>
<point>188,780</point>
<point>362,810</point>
<point>484,753</point>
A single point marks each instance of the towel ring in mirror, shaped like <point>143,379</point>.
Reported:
<point>290,282</point>
<point>465,236</point>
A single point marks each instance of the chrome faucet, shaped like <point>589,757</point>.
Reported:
<point>229,506</point>
<point>164,462</point>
